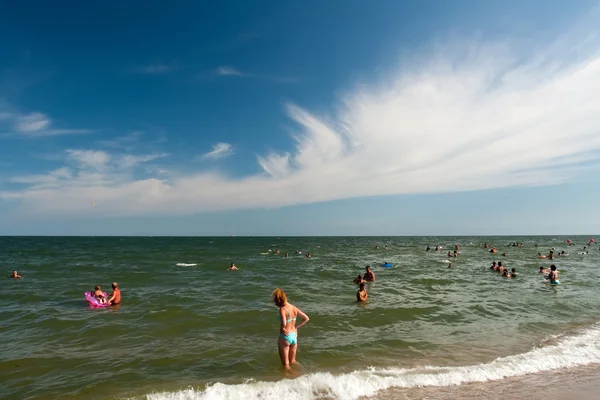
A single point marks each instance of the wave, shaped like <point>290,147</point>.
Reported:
<point>185,265</point>
<point>582,349</point>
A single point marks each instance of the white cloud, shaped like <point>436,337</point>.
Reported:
<point>130,160</point>
<point>32,122</point>
<point>219,150</point>
<point>37,124</point>
<point>85,159</point>
<point>229,71</point>
<point>474,119</point>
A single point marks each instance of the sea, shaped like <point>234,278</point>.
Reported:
<point>188,328</point>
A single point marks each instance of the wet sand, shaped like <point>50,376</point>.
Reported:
<point>581,383</point>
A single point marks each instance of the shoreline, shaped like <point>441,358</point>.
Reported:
<point>581,383</point>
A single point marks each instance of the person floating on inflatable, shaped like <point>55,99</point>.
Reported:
<point>99,295</point>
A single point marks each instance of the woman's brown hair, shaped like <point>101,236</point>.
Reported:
<point>279,297</point>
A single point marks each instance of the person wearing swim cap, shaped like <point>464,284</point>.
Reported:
<point>288,330</point>
<point>115,297</point>
<point>369,275</point>
<point>362,294</point>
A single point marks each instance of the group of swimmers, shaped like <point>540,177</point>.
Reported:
<point>498,267</point>
<point>298,252</point>
<point>369,276</point>
<point>113,299</point>
<point>552,274</point>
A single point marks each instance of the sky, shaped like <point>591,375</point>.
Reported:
<point>309,118</point>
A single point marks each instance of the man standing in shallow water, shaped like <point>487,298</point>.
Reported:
<point>362,294</point>
<point>115,297</point>
<point>369,275</point>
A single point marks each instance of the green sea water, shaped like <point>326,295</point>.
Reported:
<point>185,321</point>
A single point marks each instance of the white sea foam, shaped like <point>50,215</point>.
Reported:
<point>570,351</point>
<point>185,265</point>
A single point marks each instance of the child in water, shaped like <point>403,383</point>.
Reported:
<point>97,294</point>
<point>362,294</point>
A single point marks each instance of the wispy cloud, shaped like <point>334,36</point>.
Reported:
<point>85,159</point>
<point>229,71</point>
<point>219,150</point>
<point>471,116</point>
<point>155,69</point>
<point>130,160</point>
<point>86,169</point>
<point>127,142</point>
<point>33,122</point>
<point>37,124</point>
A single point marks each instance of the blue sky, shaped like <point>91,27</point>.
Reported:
<point>314,118</point>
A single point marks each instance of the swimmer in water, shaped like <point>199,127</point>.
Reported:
<point>288,330</point>
<point>115,296</point>
<point>358,280</point>
<point>428,248</point>
<point>553,276</point>
<point>494,266</point>
<point>362,294</point>
<point>513,273</point>
<point>450,265</point>
<point>369,275</point>
<point>500,267</point>
<point>232,267</point>
<point>15,275</point>
<point>543,270</point>
<point>286,255</point>
<point>505,273</point>
<point>449,254</point>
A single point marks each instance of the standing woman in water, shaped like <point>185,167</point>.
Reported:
<point>288,331</point>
